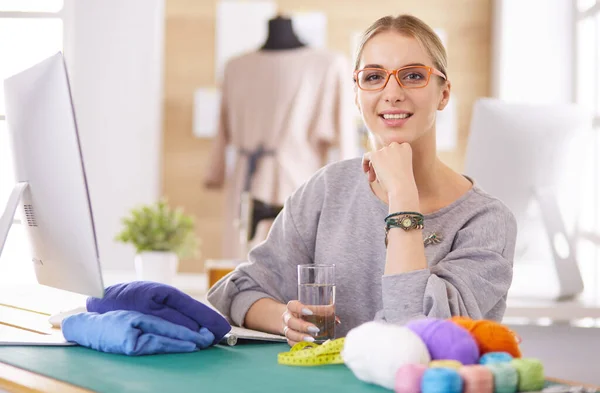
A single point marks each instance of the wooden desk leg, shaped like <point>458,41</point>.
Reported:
<point>17,380</point>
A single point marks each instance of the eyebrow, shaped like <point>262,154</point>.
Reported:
<point>380,66</point>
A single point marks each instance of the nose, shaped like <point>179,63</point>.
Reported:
<point>393,92</point>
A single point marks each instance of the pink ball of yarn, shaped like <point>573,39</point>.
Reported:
<point>408,378</point>
<point>446,340</point>
<point>477,379</point>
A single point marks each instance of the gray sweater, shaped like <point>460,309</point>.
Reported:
<point>336,219</point>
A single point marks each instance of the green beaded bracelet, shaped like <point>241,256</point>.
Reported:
<point>403,214</point>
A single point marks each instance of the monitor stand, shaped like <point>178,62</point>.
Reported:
<point>559,277</point>
<point>570,283</point>
<point>21,335</point>
<point>8,216</point>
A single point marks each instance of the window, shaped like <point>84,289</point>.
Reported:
<point>30,30</point>
<point>587,94</point>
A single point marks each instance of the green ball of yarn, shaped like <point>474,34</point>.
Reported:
<point>506,378</point>
<point>531,374</point>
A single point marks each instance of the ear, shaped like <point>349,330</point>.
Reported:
<point>445,95</point>
<point>356,99</point>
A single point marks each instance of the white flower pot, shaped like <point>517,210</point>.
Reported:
<point>158,266</point>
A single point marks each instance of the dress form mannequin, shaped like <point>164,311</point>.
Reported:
<point>281,35</point>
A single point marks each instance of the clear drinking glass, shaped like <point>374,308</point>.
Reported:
<point>316,290</point>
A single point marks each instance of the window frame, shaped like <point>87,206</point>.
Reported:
<point>60,14</point>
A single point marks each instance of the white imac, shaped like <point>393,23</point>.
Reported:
<point>516,152</point>
<point>51,191</point>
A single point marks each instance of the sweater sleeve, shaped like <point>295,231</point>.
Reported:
<point>271,269</point>
<point>472,280</point>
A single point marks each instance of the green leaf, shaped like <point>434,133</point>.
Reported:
<point>158,227</point>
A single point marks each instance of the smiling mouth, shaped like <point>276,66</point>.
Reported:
<point>395,116</point>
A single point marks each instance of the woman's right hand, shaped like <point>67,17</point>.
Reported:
<point>294,328</point>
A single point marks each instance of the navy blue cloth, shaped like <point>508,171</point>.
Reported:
<point>163,301</point>
<point>132,333</point>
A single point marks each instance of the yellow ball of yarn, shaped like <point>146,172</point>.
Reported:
<point>454,364</point>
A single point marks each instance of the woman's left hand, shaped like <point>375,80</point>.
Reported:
<point>392,168</point>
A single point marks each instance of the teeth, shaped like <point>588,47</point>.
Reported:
<point>396,116</point>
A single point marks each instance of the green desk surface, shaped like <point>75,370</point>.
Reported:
<point>243,368</point>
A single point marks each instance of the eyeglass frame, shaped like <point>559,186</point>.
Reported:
<point>430,70</point>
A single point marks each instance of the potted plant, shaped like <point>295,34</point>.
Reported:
<point>161,236</point>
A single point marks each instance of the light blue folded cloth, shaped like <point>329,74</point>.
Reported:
<point>133,333</point>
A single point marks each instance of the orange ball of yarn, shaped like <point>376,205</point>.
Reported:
<point>490,336</point>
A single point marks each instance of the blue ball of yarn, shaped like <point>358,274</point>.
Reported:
<point>506,378</point>
<point>496,357</point>
<point>446,340</point>
<point>441,380</point>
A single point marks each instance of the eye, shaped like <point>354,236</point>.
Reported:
<point>373,76</point>
<point>414,76</point>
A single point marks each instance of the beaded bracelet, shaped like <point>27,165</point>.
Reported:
<point>402,214</point>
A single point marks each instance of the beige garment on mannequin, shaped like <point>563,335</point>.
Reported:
<point>297,102</point>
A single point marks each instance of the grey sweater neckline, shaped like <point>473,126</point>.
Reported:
<point>383,207</point>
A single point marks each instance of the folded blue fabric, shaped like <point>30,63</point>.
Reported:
<point>132,333</point>
<point>163,301</point>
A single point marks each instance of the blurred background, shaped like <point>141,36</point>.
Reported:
<point>149,79</point>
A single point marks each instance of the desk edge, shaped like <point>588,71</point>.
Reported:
<point>571,383</point>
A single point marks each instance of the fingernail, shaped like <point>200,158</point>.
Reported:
<point>306,311</point>
<point>309,339</point>
<point>313,329</point>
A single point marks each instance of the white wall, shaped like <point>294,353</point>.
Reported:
<point>114,51</point>
<point>533,48</point>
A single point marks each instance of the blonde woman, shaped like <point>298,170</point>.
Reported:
<point>409,236</point>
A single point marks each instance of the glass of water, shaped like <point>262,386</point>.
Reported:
<point>316,290</point>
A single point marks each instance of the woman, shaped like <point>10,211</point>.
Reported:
<point>409,236</point>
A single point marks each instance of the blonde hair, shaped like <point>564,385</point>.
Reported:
<point>409,26</point>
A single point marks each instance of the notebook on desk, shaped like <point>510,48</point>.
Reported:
<point>238,335</point>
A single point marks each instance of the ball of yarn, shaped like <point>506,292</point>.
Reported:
<point>374,351</point>
<point>490,336</point>
<point>477,379</point>
<point>496,357</point>
<point>531,374</point>
<point>408,378</point>
<point>455,364</point>
<point>505,377</point>
<point>441,380</point>
<point>446,340</point>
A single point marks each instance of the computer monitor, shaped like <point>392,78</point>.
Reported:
<point>51,193</point>
<point>516,152</point>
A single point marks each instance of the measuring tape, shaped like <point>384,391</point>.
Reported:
<point>311,354</point>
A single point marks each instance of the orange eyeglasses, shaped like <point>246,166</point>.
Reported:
<point>411,77</point>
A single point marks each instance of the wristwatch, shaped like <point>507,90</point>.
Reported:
<point>404,221</point>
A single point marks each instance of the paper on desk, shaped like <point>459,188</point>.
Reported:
<point>10,336</point>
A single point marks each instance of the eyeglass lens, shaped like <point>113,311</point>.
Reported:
<point>373,79</point>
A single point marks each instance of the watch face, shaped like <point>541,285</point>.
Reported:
<point>407,222</point>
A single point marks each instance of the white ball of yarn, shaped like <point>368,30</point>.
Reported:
<point>374,351</point>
